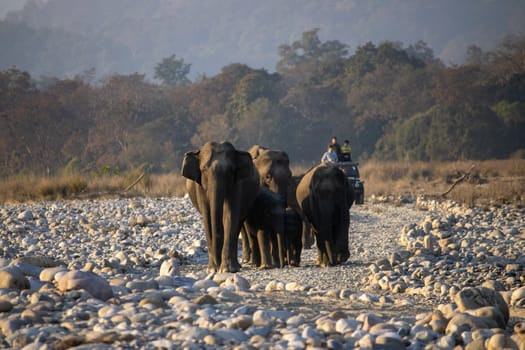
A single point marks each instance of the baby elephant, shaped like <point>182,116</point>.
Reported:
<point>265,227</point>
<point>274,232</point>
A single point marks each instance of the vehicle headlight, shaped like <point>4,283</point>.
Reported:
<point>357,184</point>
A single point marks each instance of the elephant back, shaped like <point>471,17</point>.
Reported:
<point>303,190</point>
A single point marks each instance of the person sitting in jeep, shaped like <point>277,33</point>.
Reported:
<point>346,152</point>
<point>336,147</point>
<point>329,156</point>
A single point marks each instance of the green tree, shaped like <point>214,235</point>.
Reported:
<point>303,56</point>
<point>172,71</point>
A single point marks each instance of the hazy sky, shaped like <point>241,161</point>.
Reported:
<point>10,5</point>
<point>250,31</point>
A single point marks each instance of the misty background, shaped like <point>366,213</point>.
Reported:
<point>62,38</point>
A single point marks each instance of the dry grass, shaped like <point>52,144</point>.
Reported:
<point>493,181</point>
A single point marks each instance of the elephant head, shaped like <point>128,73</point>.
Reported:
<point>273,167</point>
<point>222,183</point>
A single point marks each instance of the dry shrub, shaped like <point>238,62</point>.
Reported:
<point>32,187</point>
<point>107,184</point>
<point>490,182</point>
<point>61,187</point>
<point>167,185</point>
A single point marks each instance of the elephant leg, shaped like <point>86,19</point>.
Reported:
<point>246,248</point>
<point>307,235</point>
<point>232,227</point>
<point>325,251</point>
<point>264,248</point>
<point>281,249</point>
<point>330,252</point>
<point>343,253</point>
<point>276,245</point>
<point>212,258</point>
<point>254,248</point>
<point>322,259</point>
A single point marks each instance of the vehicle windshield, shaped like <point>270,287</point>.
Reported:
<point>350,170</point>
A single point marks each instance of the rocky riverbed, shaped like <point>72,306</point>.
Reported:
<point>130,273</point>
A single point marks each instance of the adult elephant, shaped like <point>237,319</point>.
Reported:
<point>274,171</point>
<point>325,197</point>
<point>222,184</point>
<point>273,167</point>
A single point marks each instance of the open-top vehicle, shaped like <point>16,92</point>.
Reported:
<point>351,170</point>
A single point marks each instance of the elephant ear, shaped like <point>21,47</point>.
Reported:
<point>316,177</point>
<point>191,166</point>
<point>245,166</point>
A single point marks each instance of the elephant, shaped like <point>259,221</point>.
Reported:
<point>265,224</point>
<point>222,184</point>
<point>278,231</point>
<point>274,171</point>
<point>325,197</point>
<point>273,167</point>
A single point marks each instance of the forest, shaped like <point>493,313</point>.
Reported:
<point>392,101</point>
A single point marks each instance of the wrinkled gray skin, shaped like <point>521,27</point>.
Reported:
<point>222,184</point>
<point>325,197</point>
<point>307,233</point>
<point>265,225</point>
<point>274,171</point>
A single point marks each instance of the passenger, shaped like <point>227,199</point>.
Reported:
<point>336,146</point>
<point>329,156</point>
<point>346,152</point>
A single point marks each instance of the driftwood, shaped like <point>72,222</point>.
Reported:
<point>134,182</point>
<point>457,181</point>
<point>123,193</point>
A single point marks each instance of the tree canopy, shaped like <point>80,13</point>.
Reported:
<point>390,101</point>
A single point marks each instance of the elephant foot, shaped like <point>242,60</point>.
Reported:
<point>230,267</point>
<point>246,258</point>
<point>265,267</point>
<point>211,268</point>
<point>342,257</point>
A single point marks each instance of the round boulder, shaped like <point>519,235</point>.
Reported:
<point>13,277</point>
<point>472,298</point>
<point>95,285</point>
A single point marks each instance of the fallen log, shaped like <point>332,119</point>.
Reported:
<point>459,180</point>
<point>134,182</point>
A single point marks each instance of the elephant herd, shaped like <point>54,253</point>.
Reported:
<point>253,193</point>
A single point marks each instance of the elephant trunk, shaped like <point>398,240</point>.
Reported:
<point>326,233</point>
<point>217,227</point>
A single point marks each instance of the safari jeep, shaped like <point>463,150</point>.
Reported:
<point>352,174</point>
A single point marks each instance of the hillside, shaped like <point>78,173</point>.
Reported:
<point>67,37</point>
